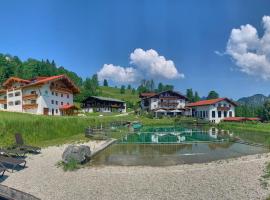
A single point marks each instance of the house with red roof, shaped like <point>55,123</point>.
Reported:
<point>41,95</point>
<point>213,110</point>
<point>167,103</point>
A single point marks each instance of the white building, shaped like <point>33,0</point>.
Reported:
<point>169,103</point>
<point>41,95</point>
<point>213,110</point>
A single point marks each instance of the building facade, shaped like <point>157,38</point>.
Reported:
<point>168,103</point>
<point>103,104</point>
<point>41,95</point>
<point>213,110</point>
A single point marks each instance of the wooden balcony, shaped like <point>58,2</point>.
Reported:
<point>3,101</point>
<point>166,104</point>
<point>29,106</point>
<point>60,89</point>
<point>30,96</point>
<point>224,108</point>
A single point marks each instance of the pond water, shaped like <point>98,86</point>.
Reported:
<point>172,146</point>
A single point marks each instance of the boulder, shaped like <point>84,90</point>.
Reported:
<point>80,153</point>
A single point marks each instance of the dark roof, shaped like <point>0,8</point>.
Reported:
<point>157,94</point>
<point>106,99</point>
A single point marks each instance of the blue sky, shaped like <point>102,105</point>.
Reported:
<point>84,35</point>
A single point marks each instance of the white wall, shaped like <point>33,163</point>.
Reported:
<point>213,108</point>
<point>12,99</point>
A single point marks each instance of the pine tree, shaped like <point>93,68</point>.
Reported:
<point>105,83</point>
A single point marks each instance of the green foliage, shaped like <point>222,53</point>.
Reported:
<point>123,89</point>
<point>189,94</point>
<point>196,97</point>
<point>213,95</point>
<point>71,165</point>
<point>133,91</point>
<point>265,114</point>
<point>105,83</point>
<point>129,87</point>
<point>13,66</point>
<point>248,111</point>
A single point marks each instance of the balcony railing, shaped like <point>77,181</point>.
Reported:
<point>223,108</point>
<point>60,89</point>
<point>29,106</point>
<point>30,96</point>
<point>3,101</point>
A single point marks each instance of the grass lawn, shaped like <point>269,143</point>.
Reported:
<point>115,93</point>
<point>53,130</point>
<point>246,126</point>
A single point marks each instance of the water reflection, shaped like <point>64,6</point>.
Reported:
<point>170,135</point>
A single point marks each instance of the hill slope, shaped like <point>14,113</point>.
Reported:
<point>115,93</point>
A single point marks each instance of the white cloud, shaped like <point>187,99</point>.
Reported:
<point>145,65</point>
<point>117,73</point>
<point>251,53</point>
<point>154,65</point>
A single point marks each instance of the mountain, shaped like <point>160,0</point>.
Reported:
<point>255,100</point>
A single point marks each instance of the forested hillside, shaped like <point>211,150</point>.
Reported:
<point>13,66</point>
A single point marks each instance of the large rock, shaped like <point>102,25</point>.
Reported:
<point>78,153</point>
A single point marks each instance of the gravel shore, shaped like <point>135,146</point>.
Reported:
<point>227,179</point>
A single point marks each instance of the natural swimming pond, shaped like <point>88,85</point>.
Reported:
<point>172,146</point>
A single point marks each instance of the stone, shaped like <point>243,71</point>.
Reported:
<point>80,153</point>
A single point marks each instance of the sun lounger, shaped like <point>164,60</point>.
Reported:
<point>13,152</point>
<point>14,162</point>
<point>20,145</point>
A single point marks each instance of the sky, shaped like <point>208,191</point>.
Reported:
<point>204,45</point>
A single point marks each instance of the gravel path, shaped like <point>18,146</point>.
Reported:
<point>228,179</point>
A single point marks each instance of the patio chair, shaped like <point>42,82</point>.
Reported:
<point>21,146</point>
<point>13,162</point>
<point>2,170</point>
<point>13,152</point>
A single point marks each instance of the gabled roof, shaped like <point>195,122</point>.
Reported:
<point>106,99</point>
<point>177,93</point>
<point>15,79</point>
<point>43,80</point>
<point>147,94</point>
<point>210,102</point>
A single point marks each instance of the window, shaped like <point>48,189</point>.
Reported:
<point>34,92</point>
<point>225,113</point>
<point>56,94</point>
<point>56,110</point>
<point>206,114</point>
<point>46,91</point>
<point>219,114</point>
<point>67,95</point>
<point>67,103</point>
<point>230,113</point>
<point>52,101</point>
<point>17,103</point>
<point>17,94</point>
<point>56,102</point>
<point>10,95</point>
<point>62,95</point>
<point>52,93</point>
<point>10,103</point>
<point>213,114</point>
<point>33,102</point>
<point>62,103</point>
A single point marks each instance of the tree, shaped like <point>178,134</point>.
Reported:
<point>196,97</point>
<point>129,87</point>
<point>133,91</point>
<point>189,95</point>
<point>105,83</point>
<point>266,111</point>
<point>213,95</point>
<point>160,87</point>
<point>123,89</point>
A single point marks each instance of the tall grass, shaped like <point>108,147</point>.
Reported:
<point>54,130</point>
